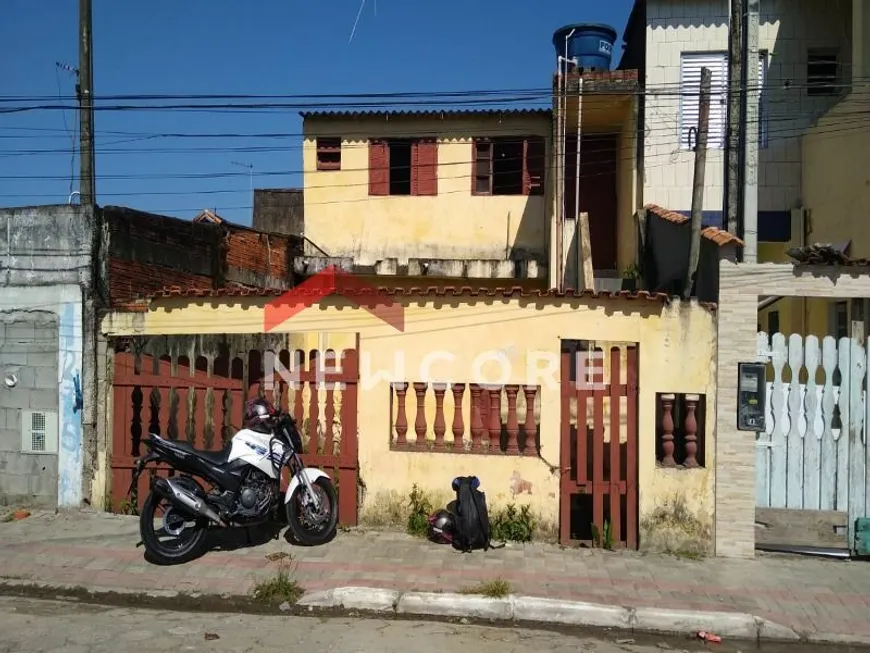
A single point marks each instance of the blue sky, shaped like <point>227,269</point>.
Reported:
<point>275,47</point>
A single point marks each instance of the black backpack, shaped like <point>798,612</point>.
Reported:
<point>471,529</point>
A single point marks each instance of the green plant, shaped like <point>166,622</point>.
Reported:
<point>421,508</point>
<point>281,588</point>
<point>631,272</point>
<point>603,537</point>
<point>512,525</point>
<point>493,589</point>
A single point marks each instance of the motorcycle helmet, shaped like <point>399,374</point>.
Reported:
<point>441,527</point>
<point>258,415</point>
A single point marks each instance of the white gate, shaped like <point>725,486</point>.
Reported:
<point>814,454</point>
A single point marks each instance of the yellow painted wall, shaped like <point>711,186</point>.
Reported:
<point>836,185</point>
<point>676,354</point>
<point>344,220</point>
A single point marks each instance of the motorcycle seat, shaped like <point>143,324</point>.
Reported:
<point>214,457</point>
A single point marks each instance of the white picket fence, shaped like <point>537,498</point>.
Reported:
<point>814,453</point>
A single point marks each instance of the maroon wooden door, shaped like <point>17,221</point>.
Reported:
<point>600,486</point>
<point>599,158</point>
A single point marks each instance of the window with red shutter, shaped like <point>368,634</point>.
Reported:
<point>424,170</point>
<point>329,153</point>
<point>379,168</point>
<point>510,165</point>
<point>481,165</point>
<point>535,164</point>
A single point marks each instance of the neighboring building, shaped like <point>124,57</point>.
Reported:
<point>430,193</point>
<point>48,300</point>
<point>805,54</point>
<point>836,188</point>
<point>279,211</point>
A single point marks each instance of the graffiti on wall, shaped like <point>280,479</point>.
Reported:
<point>70,427</point>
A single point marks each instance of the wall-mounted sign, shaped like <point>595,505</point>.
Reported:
<point>751,396</point>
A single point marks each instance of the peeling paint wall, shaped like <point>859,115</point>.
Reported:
<point>344,220</point>
<point>47,255</point>
<point>676,354</point>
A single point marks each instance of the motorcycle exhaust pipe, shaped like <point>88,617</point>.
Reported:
<point>172,491</point>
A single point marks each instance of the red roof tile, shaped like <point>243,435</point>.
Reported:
<point>715,234</point>
<point>431,291</point>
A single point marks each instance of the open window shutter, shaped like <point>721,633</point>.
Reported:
<point>379,168</point>
<point>690,88</point>
<point>534,164</point>
<point>481,167</point>
<point>424,168</point>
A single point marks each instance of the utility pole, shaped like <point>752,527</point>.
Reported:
<point>698,181</point>
<point>751,125</point>
<point>85,92</point>
<point>733,159</point>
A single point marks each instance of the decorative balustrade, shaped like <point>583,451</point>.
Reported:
<point>490,419</point>
<point>680,429</point>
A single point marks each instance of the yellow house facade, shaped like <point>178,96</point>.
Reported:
<point>449,185</point>
<point>498,338</point>
<point>836,181</point>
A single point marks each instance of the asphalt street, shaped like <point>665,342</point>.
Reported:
<point>42,626</point>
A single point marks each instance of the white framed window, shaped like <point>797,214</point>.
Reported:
<point>691,64</point>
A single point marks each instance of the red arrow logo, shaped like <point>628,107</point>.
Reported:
<point>328,282</point>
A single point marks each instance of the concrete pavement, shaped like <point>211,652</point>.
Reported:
<point>817,599</point>
<point>48,626</point>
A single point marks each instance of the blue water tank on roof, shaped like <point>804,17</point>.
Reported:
<point>590,43</point>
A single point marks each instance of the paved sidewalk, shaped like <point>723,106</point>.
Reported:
<point>809,595</point>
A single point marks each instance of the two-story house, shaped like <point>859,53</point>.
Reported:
<point>444,194</point>
<point>805,59</point>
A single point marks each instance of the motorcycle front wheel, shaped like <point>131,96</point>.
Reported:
<point>187,534</point>
<point>311,527</point>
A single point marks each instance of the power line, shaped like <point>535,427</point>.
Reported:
<point>842,126</point>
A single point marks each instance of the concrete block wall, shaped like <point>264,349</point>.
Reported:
<point>47,263</point>
<point>28,354</point>
<point>787,29</point>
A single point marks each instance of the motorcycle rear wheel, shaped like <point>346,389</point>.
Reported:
<point>326,530</point>
<point>163,554</point>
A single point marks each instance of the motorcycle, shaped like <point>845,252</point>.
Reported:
<point>245,478</point>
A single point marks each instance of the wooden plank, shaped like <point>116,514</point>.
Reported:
<point>584,240</point>
<point>582,433</point>
<point>565,448</point>
<point>598,457</point>
<point>794,491</point>
<point>812,443</point>
<point>778,451</point>
<point>828,479</point>
<point>811,528</point>
<point>843,402</point>
<point>631,450</point>
<point>615,467</point>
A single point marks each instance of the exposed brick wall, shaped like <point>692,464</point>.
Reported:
<point>144,229</point>
<point>258,252</point>
<point>129,280</point>
<point>148,252</point>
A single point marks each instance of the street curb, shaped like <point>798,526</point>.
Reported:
<point>518,609</point>
<point>530,609</point>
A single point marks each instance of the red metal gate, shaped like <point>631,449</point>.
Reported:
<point>202,404</point>
<point>598,493</point>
